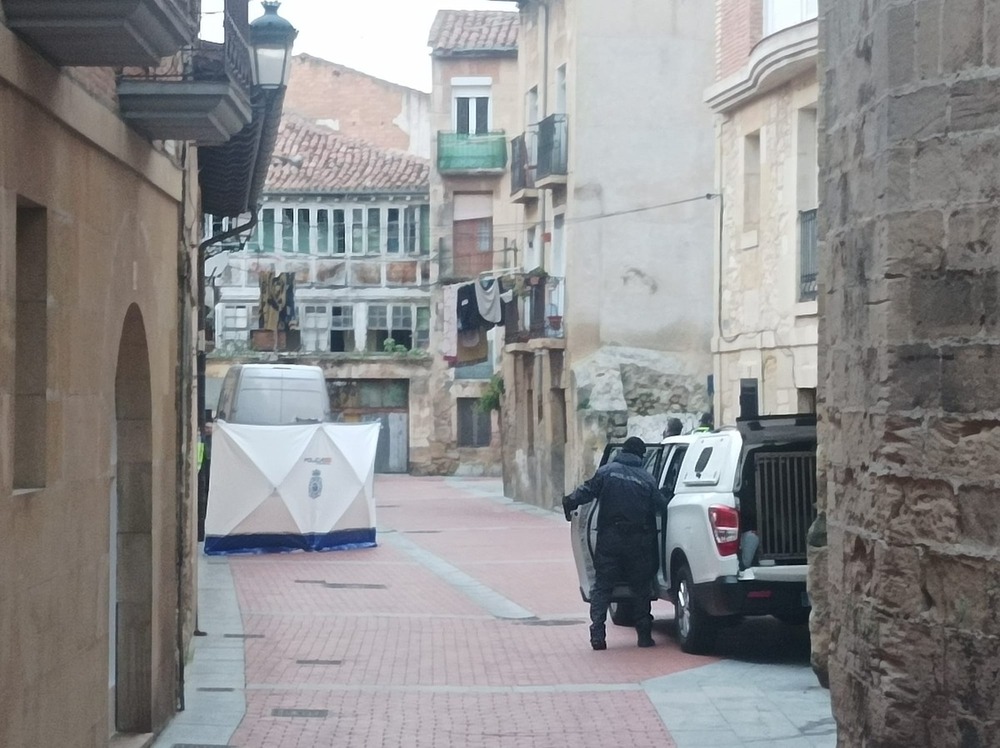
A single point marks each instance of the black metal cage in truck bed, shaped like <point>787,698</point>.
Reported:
<point>780,469</point>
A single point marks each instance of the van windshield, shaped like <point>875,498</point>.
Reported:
<point>273,401</point>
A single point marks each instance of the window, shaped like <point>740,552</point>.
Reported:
<point>749,399</point>
<point>422,334</point>
<point>471,105</point>
<point>315,328</point>
<point>303,231</point>
<point>357,231</point>
<point>402,325</point>
<point>751,181</point>
<point>807,195</point>
<point>392,231</point>
<point>237,321</point>
<point>473,114</point>
<point>323,232</point>
<point>339,232</point>
<point>267,230</point>
<point>474,426</point>
<point>30,346</point>
<point>425,229</point>
<point>472,234</point>
<point>378,327</point>
<point>287,229</point>
<point>531,106</point>
<point>342,328</point>
<point>560,90</point>
<point>782,14</point>
<point>374,231</point>
<point>411,229</point>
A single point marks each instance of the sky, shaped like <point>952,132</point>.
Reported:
<point>384,38</point>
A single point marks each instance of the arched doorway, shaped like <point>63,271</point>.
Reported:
<point>131,538</point>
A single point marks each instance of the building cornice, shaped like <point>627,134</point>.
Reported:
<point>775,60</point>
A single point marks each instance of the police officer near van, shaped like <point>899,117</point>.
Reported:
<point>626,536</point>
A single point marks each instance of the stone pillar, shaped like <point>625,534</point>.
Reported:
<point>910,368</point>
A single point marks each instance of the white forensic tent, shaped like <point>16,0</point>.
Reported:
<point>285,488</point>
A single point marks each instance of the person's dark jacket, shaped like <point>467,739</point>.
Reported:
<point>627,493</point>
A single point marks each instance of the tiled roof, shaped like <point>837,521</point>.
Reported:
<point>469,31</point>
<point>313,158</point>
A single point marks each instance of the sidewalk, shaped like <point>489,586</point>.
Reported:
<point>465,627</point>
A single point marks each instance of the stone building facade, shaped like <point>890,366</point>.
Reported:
<point>765,96</point>
<point>909,402</point>
<point>473,224</point>
<point>350,221</point>
<point>381,112</point>
<point>612,166</point>
<point>100,193</point>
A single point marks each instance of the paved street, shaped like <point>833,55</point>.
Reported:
<point>464,627</point>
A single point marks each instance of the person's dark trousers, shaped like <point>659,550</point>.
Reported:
<point>622,556</point>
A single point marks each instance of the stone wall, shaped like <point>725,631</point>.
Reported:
<point>909,424</point>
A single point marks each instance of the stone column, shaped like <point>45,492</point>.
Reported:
<point>910,368</point>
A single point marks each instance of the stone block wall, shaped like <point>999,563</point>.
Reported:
<point>910,407</point>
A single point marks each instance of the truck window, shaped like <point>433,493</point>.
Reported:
<point>673,471</point>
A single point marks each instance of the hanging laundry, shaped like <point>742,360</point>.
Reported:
<point>473,347</point>
<point>449,321</point>
<point>488,300</point>
<point>469,317</point>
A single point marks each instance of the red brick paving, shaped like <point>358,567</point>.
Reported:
<point>423,665</point>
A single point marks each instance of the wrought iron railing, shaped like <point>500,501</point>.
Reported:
<point>808,255</point>
<point>460,152</point>
<point>523,160</point>
<point>205,62</point>
<point>552,147</point>
<point>537,309</point>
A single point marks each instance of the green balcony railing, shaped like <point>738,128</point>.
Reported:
<point>462,152</point>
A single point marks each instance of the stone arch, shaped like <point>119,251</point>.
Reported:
<point>132,547</point>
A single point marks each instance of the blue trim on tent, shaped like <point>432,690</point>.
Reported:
<point>338,540</point>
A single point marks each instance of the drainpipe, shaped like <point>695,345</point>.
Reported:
<point>183,415</point>
<point>543,5</point>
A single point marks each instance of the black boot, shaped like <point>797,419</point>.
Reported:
<point>646,639</point>
<point>597,635</point>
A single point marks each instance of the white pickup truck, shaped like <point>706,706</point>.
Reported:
<point>733,541</point>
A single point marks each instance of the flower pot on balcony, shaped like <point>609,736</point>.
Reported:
<point>555,321</point>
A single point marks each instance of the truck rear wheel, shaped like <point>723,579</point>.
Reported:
<point>695,629</point>
<point>622,613</point>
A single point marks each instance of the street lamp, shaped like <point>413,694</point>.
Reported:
<point>271,37</point>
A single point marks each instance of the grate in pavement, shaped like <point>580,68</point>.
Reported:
<point>243,636</point>
<point>422,532</point>
<point>353,586</point>
<point>300,712</point>
<point>319,662</point>
<point>309,581</point>
<point>387,506</point>
<point>551,621</point>
<point>215,689</point>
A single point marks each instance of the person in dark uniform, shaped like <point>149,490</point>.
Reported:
<point>674,428</point>
<point>626,531</point>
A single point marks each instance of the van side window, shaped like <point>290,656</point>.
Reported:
<point>226,394</point>
<point>703,458</point>
<point>673,472</point>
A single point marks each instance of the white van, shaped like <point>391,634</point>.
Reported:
<point>274,395</point>
<point>733,541</point>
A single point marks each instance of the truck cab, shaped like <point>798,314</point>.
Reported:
<point>732,542</point>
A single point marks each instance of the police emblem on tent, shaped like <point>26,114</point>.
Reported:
<point>315,485</point>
